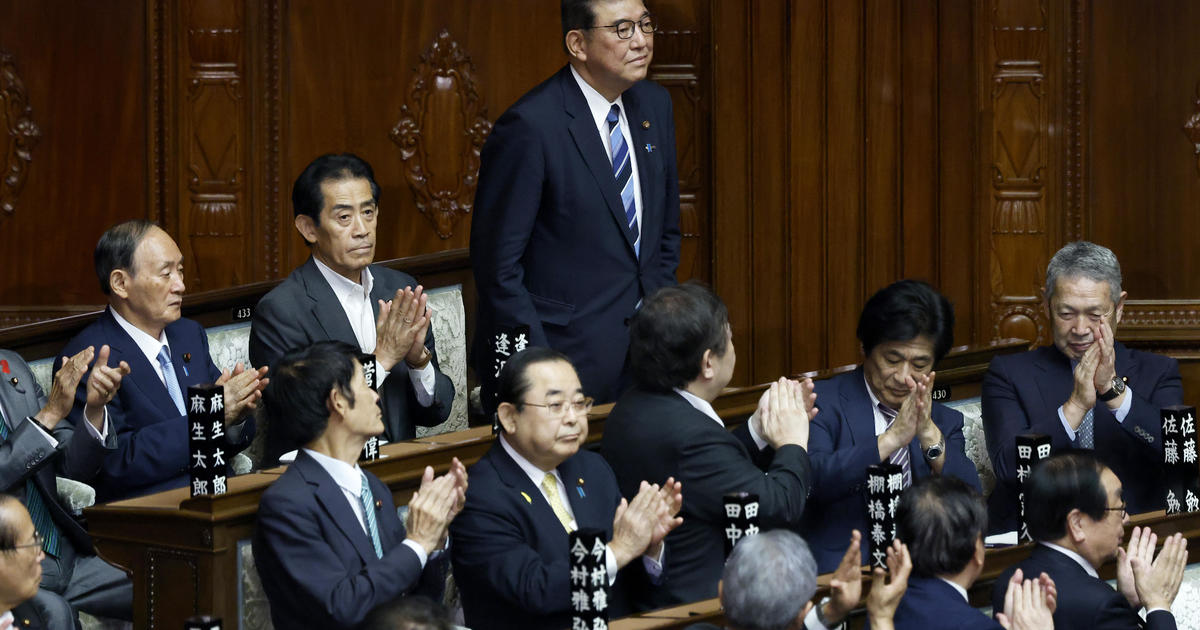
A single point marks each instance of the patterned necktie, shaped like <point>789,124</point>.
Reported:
<point>38,512</point>
<point>550,489</point>
<point>901,456</point>
<point>623,171</point>
<point>368,506</point>
<point>169,379</point>
<point>1085,437</point>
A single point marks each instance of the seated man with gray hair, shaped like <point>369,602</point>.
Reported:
<point>1086,391</point>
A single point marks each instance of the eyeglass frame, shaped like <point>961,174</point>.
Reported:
<point>588,402</point>
<point>38,541</point>
<point>1123,509</point>
<point>636,24</point>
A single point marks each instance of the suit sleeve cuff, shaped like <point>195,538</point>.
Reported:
<point>49,438</point>
<point>417,549</point>
<point>102,433</point>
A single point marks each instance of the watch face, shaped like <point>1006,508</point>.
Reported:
<point>1118,385</point>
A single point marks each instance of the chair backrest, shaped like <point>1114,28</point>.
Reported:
<point>972,411</point>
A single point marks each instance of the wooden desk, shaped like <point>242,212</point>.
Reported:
<point>183,552</point>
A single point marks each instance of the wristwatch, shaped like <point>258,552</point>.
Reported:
<point>825,621</point>
<point>935,451</point>
<point>1118,388</point>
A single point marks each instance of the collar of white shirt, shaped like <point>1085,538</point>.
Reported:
<point>880,422</point>
<point>345,288</point>
<point>701,405</point>
<point>147,344</point>
<point>535,474</point>
<point>598,105</point>
<point>347,477</point>
<point>1080,560</point>
<point>8,616</point>
<point>958,587</point>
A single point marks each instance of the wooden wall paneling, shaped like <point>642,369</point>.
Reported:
<point>957,161</point>
<point>808,72</point>
<point>845,148</point>
<point>733,89</point>
<point>270,189</point>
<point>917,234</point>
<point>882,186</point>
<point>1015,143</point>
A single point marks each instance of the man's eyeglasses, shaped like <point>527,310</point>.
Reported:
<point>1119,508</point>
<point>559,409</point>
<point>37,543</point>
<point>624,28</point>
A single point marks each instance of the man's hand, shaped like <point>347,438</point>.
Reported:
<point>1026,604</point>
<point>1141,544</point>
<point>62,391</point>
<point>904,427</point>
<point>635,522</point>
<point>845,587</point>
<point>1083,396</point>
<point>102,385</point>
<point>784,417</point>
<point>459,473</point>
<point>1158,582</point>
<point>431,509</point>
<point>242,388</point>
<point>397,326</point>
<point>671,495</point>
<point>885,596</point>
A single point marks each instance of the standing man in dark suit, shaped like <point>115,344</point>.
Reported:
<point>1086,391</point>
<point>1076,514</point>
<point>339,295</point>
<point>329,546</point>
<point>140,268</point>
<point>943,521</point>
<point>534,486</point>
<point>577,212</point>
<point>681,351</point>
<point>38,444</point>
<point>882,412</point>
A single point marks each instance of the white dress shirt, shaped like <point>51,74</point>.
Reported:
<point>1119,412</point>
<point>349,479</point>
<point>600,107</point>
<point>536,475</point>
<point>355,299</point>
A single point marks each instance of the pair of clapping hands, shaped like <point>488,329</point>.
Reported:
<point>400,329</point>
<point>243,388</point>
<point>435,504</point>
<point>784,412</point>
<point>1147,581</point>
<point>640,525</point>
<point>1028,604</point>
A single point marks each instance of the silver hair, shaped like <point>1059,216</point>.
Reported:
<point>767,581</point>
<point>1088,260</point>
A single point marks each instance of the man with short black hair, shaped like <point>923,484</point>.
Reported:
<point>943,520</point>
<point>1076,514</point>
<point>329,546</point>
<point>576,217</point>
<point>415,612</point>
<point>1086,391</point>
<point>883,412</point>
<point>682,355</point>
<point>20,570</point>
<point>140,268</point>
<point>339,294</point>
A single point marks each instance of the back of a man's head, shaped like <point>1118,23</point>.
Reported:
<point>769,579</point>
<point>941,519</point>
<point>1064,482</point>
<point>410,612</point>
<point>295,399</point>
<point>670,333</point>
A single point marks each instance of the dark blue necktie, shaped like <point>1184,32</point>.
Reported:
<point>623,172</point>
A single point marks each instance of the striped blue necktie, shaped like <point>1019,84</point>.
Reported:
<point>38,513</point>
<point>623,172</point>
<point>368,505</point>
<point>901,456</point>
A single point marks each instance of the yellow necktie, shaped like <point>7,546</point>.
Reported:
<point>550,489</point>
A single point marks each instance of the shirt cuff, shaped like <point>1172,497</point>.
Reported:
<point>1066,425</point>
<point>1123,410</point>
<point>811,622</point>
<point>758,440</point>
<point>610,562</point>
<point>423,380</point>
<point>380,374</point>
<point>49,438</point>
<point>418,549</point>
<point>654,566</point>
<point>102,434</point>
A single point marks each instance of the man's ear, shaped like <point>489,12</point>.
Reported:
<point>307,228</point>
<point>707,370</point>
<point>1119,309</point>
<point>119,281</point>
<point>337,404</point>
<point>507,413</point>
<point>1075,528</point>
<point>574,43</point>
<point>798,622</point>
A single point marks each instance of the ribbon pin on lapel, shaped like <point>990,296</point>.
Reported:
<point>527,499</point>
<point>579,488</point>
<point>649,148</point>
<point>4,366</point>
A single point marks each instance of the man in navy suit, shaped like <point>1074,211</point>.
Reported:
<point>943,520</point>
<point>533,487</point>
<point>577,212</point>
<point>1076,514</point>
<point>39,444</point>
<point>883,412</point>
<point>140,268</point>
<point>329,546</point>
<point>339,295</point>
<point>1086,391</point>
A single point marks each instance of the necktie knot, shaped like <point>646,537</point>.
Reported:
<point>888,412</point>
<point>164,357</point>
<point>614,115</point>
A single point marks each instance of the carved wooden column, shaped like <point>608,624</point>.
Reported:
<point>18,134</point>
<point>1016,146</point>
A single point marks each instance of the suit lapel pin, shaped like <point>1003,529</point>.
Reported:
<point>649,148</point>
<point>645,124</point>
<point>579,488</point>
<point>527,499</point>
<point>14,381</point>
<point>4,366</point>
<point>187,357</point>
<point>378,504</point>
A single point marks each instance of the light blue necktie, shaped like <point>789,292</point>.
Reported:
<point>170,380</point>
<point>623,171</point>
<point>38,512</point>
<point>368,506</point>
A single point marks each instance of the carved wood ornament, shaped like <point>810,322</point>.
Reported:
<point>1192,128</point>
<point>21,134</point>
<point>440,133</point>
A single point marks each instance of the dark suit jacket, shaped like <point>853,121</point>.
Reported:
<point>1022,394</point>
<point>317,565</point>
<point>303,309</point>
<point>26,616</point>
<point>510,553</point>
<point>26,453</point>
<point>651,436</point>
<point>931,604</point>
<point>549,244</point>
<point>841,445</point>
<point>1084,602</point>
<point>152,438</point>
